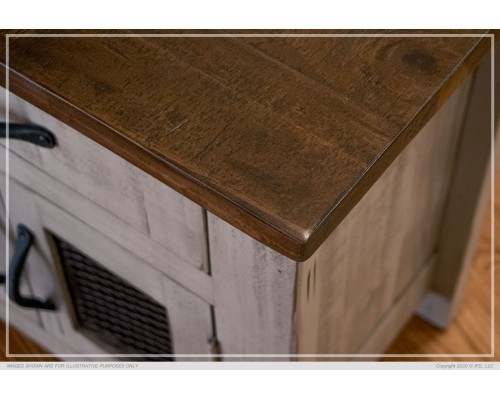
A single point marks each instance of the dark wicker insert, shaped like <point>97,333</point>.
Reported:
<point>113,310</point>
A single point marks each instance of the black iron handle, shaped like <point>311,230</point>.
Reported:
<point>24,241</point>
<point>30,133</point>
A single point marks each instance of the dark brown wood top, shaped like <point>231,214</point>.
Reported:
<point>278,136</point>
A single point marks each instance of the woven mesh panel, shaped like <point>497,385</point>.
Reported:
<point>112,309</point>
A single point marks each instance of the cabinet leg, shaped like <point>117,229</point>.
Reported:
<point>468,199</point>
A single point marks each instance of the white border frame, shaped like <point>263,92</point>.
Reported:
<point>298,35</point>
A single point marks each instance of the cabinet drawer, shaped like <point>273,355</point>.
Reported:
<point>96,173</point>
<point>108,300</point>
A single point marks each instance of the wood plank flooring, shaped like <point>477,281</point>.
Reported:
<point>470,332</point>
<point>20,344</point>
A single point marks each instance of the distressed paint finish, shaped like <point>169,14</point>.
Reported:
<point>111,226</point>
<point>254,289</point>
<point>141,201</point>
<point>287,175</point>
<point>469,195</point>
<point>189,315</point>
<point>280,137</point>
<point>376,254</point>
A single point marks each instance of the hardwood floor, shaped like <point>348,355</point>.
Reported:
<point>469,333</point>
<point>20,344</point>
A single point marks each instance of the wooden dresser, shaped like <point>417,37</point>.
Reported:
<point>253,196</point>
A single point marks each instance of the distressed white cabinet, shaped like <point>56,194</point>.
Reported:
<point>105,297</point>
<point>134,266</point>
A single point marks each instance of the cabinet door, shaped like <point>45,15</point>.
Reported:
<point>22,318</point>
<point>108,300</point>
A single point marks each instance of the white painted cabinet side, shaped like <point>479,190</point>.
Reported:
<point>253,293</point>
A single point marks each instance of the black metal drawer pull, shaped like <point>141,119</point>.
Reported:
<point>24,241</point>
<point>30,133</point>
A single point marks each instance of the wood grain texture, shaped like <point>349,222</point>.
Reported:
<point>254,289</point>
<point>108,224</point>
<point>28,338</point>
<point>470,331</point>
<point>189,315</point>
<point>465,208</point>
<point>146,204</point>
<point>20,344</point>
<point>398,314</point>
<point>43,278</point>
<point>17,316</point>
<point>381,247</point>
<point>35,264</point>
<point>280,136</point>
